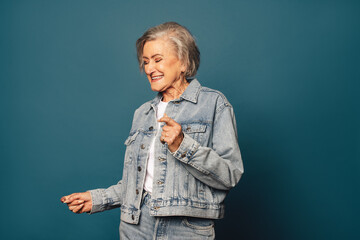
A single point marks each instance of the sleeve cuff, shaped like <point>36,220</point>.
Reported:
<point>186,149</point>
<point>96,198</point>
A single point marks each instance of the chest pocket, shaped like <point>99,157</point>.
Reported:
<point>131,138</point>
<point>195,130</point>
<point>129,142</point>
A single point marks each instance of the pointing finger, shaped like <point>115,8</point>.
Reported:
<point>168,120</point>
<point>65,199</point>
<point>71,198</point>
<point>164,119</point>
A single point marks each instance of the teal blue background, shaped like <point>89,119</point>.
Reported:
<point>70,84</point>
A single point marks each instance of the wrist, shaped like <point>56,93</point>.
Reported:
<point>176,144</point>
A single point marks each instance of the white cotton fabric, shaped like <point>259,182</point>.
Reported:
<point>161,107</point>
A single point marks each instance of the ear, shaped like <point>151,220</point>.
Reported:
<point>183,67</point>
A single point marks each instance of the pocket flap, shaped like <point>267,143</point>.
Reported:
<point>193,127</point>
<point>131,138</point>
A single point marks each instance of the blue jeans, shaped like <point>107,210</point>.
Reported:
<point>169,228</point>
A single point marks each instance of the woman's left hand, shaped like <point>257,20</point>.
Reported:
<point>172,133</point>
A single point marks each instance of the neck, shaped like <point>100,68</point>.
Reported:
<point>175,91</point>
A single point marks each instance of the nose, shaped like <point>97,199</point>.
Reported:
<point>149,68</point>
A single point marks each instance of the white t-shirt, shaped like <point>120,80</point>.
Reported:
<point>150,163</point>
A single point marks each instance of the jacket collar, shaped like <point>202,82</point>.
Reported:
<point>190,94</point>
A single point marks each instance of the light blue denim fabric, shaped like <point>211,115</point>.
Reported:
<point>181,228</point>
<point>194,180</point>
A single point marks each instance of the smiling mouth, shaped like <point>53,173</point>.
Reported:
<point>156,78</point>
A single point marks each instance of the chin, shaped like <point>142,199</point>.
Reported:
<point>156,87</point>
<point>155,90</point>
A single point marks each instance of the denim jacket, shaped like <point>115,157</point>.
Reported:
<point>194,180</point>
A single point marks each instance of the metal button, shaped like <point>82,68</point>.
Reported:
<point>139,169</point>
<point>159,182</point>
<point>137,191</point>
<point>151,128</point>
<point>188,128</point>
<point>161,159</point>
<point>142,146</point>
<point>132,217</point>
<point>183,155</point>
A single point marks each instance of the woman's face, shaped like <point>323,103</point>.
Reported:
<point>161,65</point>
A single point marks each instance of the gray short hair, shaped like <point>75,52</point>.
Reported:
<point>182,40</point>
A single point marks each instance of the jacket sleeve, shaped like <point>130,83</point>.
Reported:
<point>221,165</point>
<point>106,199</point>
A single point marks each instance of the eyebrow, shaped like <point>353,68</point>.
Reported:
<point>157,54</point>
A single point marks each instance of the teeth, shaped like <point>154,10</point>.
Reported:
<point>154,78</point>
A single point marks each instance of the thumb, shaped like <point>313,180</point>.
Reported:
<point>63,199</point>
<point>72,197</point>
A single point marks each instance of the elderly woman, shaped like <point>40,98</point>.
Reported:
<point>182,154</point>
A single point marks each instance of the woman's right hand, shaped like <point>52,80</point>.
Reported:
<point>78,202</point>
